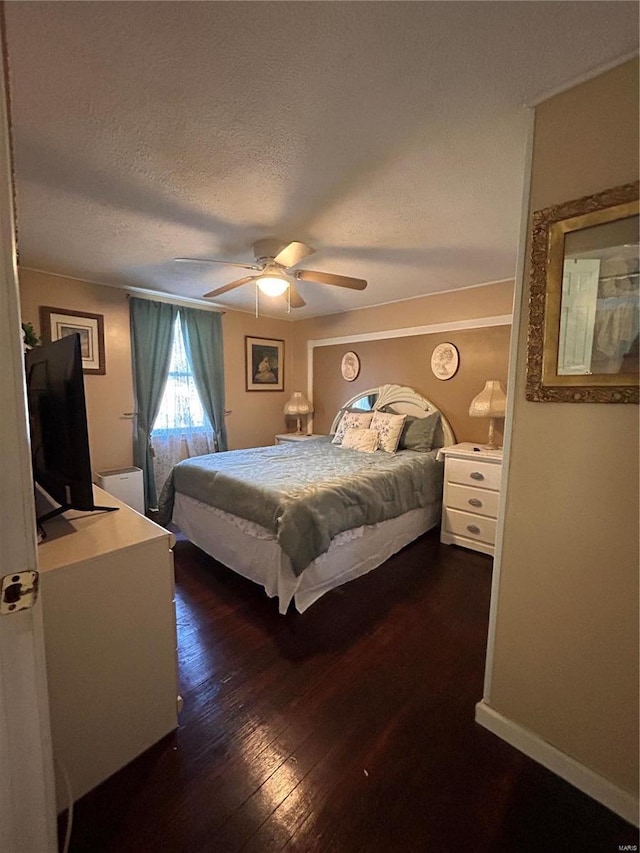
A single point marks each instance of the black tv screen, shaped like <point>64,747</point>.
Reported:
<point>58,423</point>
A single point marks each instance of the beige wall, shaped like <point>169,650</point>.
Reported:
<point>486,300</point>
<point>484,354</point>
<point>566,643</point>
<point>108,396</point>
<point>255,416</point>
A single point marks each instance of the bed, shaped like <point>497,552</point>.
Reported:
<point>301,518</point>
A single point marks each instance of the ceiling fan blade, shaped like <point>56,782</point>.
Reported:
<point>293,254</point>
<point>211,261</point>
<point>237,283</point>
<point>296,300</point>
<point>330,278</point>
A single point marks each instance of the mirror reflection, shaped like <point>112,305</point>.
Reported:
<point>600,305</point>
<point>364,404</point>
<point>583,300</point>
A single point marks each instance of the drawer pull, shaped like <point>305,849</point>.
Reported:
<point>476,475</point>
<point>475,502</point>
<point>473,528</point>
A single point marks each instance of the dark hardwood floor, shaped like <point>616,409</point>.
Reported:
<point>348,728</point>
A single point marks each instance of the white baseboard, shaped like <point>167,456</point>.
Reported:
<point>619,801</point>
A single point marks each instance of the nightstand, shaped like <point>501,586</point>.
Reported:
<point>471,496</point>
<point>294,436</point>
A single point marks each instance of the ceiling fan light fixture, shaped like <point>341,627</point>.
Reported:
<point>276,276</point>
<point>272,284</point>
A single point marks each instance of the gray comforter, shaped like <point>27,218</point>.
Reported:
<point>308,492</point>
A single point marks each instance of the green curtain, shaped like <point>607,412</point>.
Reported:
<point>202,331</point>
<point>152,326</point>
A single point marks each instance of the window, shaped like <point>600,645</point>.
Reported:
<point>182,428</point>
<point>180,410</point>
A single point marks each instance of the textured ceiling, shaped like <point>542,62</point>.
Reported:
<point>389,136</point>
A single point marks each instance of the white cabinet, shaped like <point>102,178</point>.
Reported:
<point>125,484</point>
<point>471,496</point>
<point>110,639</point>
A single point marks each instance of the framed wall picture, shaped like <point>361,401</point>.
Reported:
<point>445,360</point>
<point>56,323</point>
<point>350,366</point>
<point>264,363</point>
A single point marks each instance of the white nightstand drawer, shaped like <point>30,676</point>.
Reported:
<point>472,473</point>
<point>470,499</point>
<point>470,526</point>
<point>471,496</point>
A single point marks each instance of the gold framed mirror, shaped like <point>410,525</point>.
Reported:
<point>584,300</point>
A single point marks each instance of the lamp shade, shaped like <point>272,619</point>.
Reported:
<point>272,284</point>
<point>298,405</point>
<point>491,402</point>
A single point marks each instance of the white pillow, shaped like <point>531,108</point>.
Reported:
<point>366,440</point>
<point>390,427</point>
<point>352,420</point>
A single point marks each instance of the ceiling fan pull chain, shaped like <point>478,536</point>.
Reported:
<point>257,291</point>
<point>289,300</point>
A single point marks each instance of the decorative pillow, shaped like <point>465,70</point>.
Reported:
<point>352,420</point>
<point>420,433</point>
<point>366,440</point>
<point>389,426</point>
<point>438,440</point>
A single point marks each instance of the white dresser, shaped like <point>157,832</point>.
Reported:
<point>471,496</point>
<point>110,639</point>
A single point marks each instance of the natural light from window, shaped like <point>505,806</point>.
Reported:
<point>180,408</point>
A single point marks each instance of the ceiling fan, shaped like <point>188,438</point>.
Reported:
<point>274,262</point>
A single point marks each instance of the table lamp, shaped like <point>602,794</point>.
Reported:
<point>490,403</point>
<point>297,406</point>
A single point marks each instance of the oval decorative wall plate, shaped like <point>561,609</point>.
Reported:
<point>445,360</point>
<point>350,366</point>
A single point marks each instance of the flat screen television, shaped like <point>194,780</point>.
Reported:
<point>58,425</point>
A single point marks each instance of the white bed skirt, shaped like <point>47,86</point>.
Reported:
<point>253,552</point>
